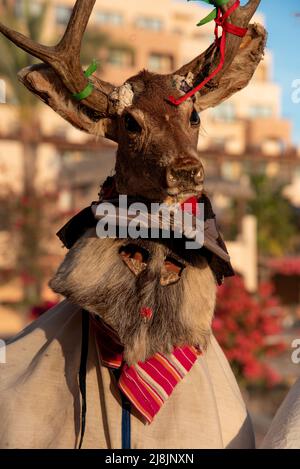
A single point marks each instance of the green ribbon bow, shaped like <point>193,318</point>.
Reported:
<point>213,14</point>
<point>89,87</point>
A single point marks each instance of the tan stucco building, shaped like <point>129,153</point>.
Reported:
<point>160,36</point>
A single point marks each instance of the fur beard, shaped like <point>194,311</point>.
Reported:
<point>94,276</point>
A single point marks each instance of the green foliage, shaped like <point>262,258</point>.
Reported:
<point>30,220</point>
<point>30,214</point>
<point>15,59</point>
<point>276,229</point>
<point>92,42</point>
<point>32,208</point>
<point>32,24</point>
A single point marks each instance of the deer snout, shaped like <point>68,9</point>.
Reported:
<point>180,179</point>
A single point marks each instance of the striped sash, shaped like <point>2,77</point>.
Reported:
<point>147,385</point>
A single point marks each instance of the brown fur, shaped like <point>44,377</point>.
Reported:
<point>94,276</point>
<point>167,141</point>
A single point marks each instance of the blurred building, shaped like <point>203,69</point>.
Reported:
<point>161,39</point>
<point>242,135</point>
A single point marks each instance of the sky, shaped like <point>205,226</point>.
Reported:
<point>284,42</point>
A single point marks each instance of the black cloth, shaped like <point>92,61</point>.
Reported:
<point>214,248</point>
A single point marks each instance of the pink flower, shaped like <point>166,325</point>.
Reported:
<point>242,324</point>
<point>273,377</point>
<point>253,370</point>
<point>217,324</point>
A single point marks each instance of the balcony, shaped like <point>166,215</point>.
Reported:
<point>270,135</point>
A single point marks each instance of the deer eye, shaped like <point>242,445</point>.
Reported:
<point>131,124</point>
<point>195,118</point>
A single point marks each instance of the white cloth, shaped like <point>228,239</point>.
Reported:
<point>284,432</point>
<point>40,399</point>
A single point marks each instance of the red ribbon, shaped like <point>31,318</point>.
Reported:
<point>190,205</point>
<point>221,21</point>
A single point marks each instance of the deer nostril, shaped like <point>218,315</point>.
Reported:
<point>172,180</point>
<point>184,178</point>
<point>199,176</point>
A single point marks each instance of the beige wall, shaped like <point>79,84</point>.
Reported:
<point>261,130</point>
<point>243,253</point>
<point>10,167</point>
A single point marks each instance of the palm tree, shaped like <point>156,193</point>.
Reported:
<point>276,226</point>
<point>25,104</point>
<point>29,135</point>
<point>31,22</point>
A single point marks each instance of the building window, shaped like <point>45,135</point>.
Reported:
<point>106,17</point>
<point>219,143</point>
<point>35,8</point>
<point>256,111</point>
<point>120,57</point>
<point>231,171</point>
<point>62,15</point>
<point>160,62</point>
<point>143,22</point>
<point>19,8</point>
<point>178,31</point>
<point>224,112</point>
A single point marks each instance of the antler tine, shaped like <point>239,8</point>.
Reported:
<point>241,17</point>
<point>251,7</point>
<point>77,25</point>
<point>208,60</point>
<point>65,57</point>
<point>44,53</point>
<point>69,66</point>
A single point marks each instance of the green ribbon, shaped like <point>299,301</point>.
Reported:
<point>213,14</point>
<point>89,87</point>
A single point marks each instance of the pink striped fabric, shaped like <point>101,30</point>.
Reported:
<point>148,384</point>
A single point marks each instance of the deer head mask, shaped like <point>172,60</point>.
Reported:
<point>156,159</point>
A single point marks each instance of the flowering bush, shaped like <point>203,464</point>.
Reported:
<point>285,266</point>
<point>31,222</point>
<point>246,327</point>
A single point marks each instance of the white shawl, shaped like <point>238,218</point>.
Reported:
<point>284,432</point>
<point>40,399</point>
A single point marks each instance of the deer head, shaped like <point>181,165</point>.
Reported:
<point>157,154</point>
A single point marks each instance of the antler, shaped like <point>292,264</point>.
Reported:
<point>64,58</point>
<point>205,63</point>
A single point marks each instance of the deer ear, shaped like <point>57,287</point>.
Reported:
<point>239,73</point>
<point>43,81</point>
